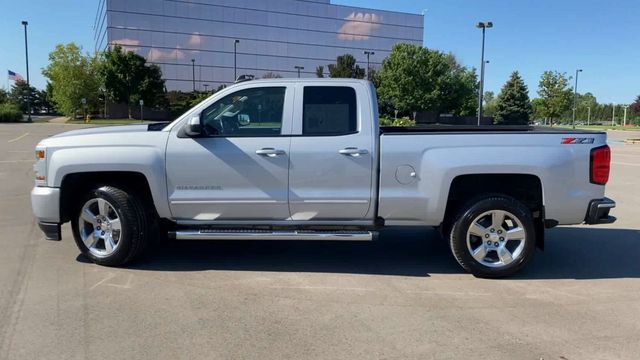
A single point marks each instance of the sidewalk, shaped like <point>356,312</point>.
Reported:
<point>59,120</point>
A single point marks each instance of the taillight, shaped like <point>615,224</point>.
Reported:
<point>600,165</point>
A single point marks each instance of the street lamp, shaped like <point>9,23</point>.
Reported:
<point>368,53</point>
<point>235,59</point>
<point>299,68</point>
<point>575,99</point>
<point>483,26</point>
<point>193,73</point>
<point>26,53</point>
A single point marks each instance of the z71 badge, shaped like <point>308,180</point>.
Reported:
<point>577,140</point>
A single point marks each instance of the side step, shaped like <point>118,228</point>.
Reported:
<point>225,234</point>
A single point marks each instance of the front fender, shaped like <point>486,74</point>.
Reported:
<point>147,160</point>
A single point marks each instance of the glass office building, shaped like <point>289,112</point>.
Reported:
<point>207,41</point>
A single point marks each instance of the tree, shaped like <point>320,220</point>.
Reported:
<point>4,96</point>
<point>584,103</point>
<point>320,71</point>
<point>513,106</point>
<point>414,78</point>
<point>271,75</point>
<point>374,77</point>
<point>19,94</point>
<point>635,106</point>
<point>489,99</point>
<point>128,79</point>
<point>555,95</point>
<point>345,67</point>
<point>73,77</point>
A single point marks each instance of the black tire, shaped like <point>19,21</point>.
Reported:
<point>138,225</point>
<point>463,221</point>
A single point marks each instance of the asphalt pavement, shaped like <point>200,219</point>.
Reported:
<point>402,297</point>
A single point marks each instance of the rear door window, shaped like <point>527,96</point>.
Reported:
<point>329,110</point>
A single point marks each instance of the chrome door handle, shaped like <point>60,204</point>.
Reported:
<point>353,151</point>
<point>270,152</point>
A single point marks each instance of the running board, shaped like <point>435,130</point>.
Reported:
<point>223,234</point>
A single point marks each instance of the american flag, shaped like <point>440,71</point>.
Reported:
<point>14,76</point>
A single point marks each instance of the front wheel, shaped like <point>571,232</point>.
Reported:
<point>493,236</point>
<point>111,226</point>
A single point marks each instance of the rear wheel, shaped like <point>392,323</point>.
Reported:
<point>493,236</point>
<point>111,226</point>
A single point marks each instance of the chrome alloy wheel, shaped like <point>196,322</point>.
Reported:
<point>496,238</point>
<point>99,227</point>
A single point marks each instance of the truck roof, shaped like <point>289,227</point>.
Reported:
<point>306,80</point>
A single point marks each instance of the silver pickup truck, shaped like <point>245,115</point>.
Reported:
<point>306,160</point>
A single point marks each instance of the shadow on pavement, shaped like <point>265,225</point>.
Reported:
<point>570,253</point>
<point>586,253</point>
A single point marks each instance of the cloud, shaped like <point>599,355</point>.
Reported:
<point>359,26</point>
<point>127,44</point>
<point>195,39</point>
<point>158,55</point>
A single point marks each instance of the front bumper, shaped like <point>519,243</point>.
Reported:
<point>598,212</point>
<point>51,231</point>
<point>45,204</point>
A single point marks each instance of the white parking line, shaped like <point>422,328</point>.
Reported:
<point>624,163</point>
<point>18,138</point>
<point>15,161</point>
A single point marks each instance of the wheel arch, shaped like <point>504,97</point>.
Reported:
<point>77,183</point>
<point>526,188</point>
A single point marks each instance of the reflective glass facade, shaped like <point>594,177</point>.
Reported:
<point>274,36</point>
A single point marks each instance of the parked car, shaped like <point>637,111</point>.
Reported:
<point>305,159</point>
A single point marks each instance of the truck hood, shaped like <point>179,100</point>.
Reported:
<point>105,130</point>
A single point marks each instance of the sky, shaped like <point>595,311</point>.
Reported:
<point>530,36</point>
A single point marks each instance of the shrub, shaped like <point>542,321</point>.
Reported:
<point>10,113</point>
<point>385,121</point>
<point>404,122</point>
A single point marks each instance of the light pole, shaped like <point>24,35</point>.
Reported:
<point>483,26</point>
<point>575,99</point>
<point>624,123</point>
<point>235,59</point>
<point>613,116</point>
<point>588,115</point>
<point>299,68</point>
<point>26,53</point>
<point>193,73</point>
<point>368,53</point>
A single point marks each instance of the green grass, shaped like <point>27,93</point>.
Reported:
<point>108,122</point>
<point>602,127</point>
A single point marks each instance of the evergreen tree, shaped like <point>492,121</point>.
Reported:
<point>19,94</point>
<point>513,106</point>
<point>635,106</point>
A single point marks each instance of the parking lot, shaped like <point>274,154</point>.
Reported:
<point>402,297</point>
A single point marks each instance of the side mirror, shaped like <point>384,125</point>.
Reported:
<point>193,127</point>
